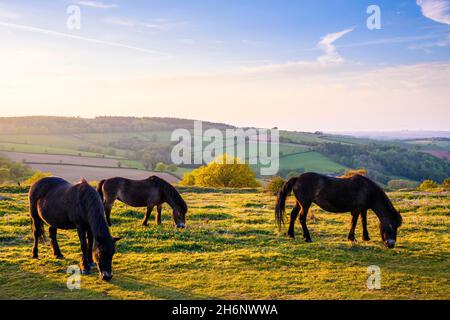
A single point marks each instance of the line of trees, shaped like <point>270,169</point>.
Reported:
<point>385,162</point>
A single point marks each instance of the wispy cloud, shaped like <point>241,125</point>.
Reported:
<point>71,36</point>
<point>329,61</point>
<point>97,4</point>
<point>327,45</point>
<point>427,45</point>
<point>437,10</point>
<point>157,24</point>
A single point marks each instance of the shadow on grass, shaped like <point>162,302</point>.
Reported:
<point>157,290</point>
<point>17,283</point>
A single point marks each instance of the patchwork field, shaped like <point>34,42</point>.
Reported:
<point>232,250</point>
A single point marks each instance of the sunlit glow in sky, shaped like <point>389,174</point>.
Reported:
<point>298,65</point>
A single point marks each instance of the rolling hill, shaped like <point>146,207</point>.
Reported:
<point>124,141</point>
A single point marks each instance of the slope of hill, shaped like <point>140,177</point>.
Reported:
<point>140,143</point>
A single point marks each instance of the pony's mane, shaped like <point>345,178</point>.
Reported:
<point>171,193</point>
<point>93,205</point>
<point>392,211</point>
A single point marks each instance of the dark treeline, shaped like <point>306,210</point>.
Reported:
<point>386,161</point>
<point>45,124</point>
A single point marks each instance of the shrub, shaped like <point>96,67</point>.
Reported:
<point>350,173</point>
<point>172,168</point>
<point>188,180</point>
<point>160,167</point>
<point>4,175</point>
<point>402,184</point>
<point>225,171</point>
<point>428,185</point>
<point>37,176</point>
<point>274,186</point>
<point>446,184</point>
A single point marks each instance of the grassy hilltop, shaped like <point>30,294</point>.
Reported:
<point>232,250</point>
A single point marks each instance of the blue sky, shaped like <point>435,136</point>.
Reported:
<point>232,61</point>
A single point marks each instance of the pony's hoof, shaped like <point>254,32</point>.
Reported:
<point>308,240</point>
<point>86,271</point>
<point>144,224</point>
<point>59,256</point>
<point>291,235</point>
<point>35,256</point>
<point>366,239</point>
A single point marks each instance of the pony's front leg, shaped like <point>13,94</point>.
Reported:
<point>85,267</point>
<point>294,215</point>
<point>365,236</point>
<point>147,215</point>
<point>90,244</point>
<point>158,218</point>
<point>351,235</point>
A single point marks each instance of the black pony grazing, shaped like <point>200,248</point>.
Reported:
<point>356,195</point>
<point>65,206</point>
<point>148,193</point>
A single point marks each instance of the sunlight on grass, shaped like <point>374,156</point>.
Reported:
<point>232,250</point>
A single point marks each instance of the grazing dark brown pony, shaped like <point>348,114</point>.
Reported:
<point>148,193</point>
<point>65,206</point>
<point>356,195</point>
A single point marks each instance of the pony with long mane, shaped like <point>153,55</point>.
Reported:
<point>65,206</point>
<point>356,194</point>
<point>148,193</point>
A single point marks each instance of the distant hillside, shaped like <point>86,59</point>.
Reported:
<point>45,125</point>
<point>141,143</point>
<point>397,135</point>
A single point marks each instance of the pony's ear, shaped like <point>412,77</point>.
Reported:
<point>117,239</point>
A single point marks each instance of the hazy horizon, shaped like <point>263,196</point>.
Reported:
<point>301,66</point>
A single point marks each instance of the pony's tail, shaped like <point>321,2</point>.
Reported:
<point>37,224</point>
<point>280,206</point>
<point>100,189</point>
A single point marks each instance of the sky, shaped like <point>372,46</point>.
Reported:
<point>301,65</point>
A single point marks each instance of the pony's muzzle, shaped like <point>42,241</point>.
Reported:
<point>390,243</point>
<point>181,226</point>
<point>106,276</point>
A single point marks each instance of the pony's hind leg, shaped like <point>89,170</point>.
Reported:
<point>35,244</point>
<point>294,215</point>
<point>351,235</point>
<point>147,215</point>
<point>37,226</point>
<point>108,208</point>
<point>365,236</point>
<point>303,216</point>
<point>54,243</point>
<point>158,218</point>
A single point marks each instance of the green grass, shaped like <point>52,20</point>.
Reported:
<point>232,250</point>
<point>310,161</point>
<point>32,148</point>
